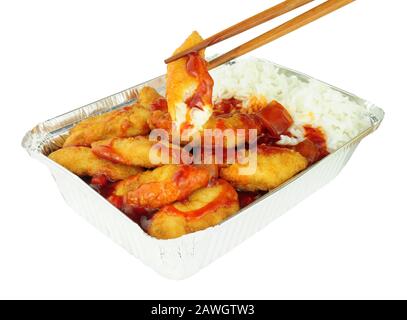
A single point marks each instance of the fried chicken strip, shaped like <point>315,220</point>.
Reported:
<point>274,166</point>
<point>233,123</point>
<point>127,122</point>
<point>137,151</point>
<point>227,123</point>
<point>189,88</point>
<point>83,162</point>
<point>161,186</point>
<point>204,208</point>
<point>148,96</point>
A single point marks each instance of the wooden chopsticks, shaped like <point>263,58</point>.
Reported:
<point>291,25</point>
<point>245,25</point>
<point>287,27</point>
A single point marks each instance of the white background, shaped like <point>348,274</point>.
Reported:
<point>349,240</point>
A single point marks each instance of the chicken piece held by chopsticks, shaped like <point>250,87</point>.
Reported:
<point>189,88</point>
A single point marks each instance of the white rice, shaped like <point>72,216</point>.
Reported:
<point>309,103</point>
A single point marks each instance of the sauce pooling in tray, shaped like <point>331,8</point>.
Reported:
<point>317,136</point>
<point>246,198</point>
<point>227,106</point>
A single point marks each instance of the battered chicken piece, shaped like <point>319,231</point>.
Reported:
<point>164,185</point>
<point>122,187</point>
<point>127,122</point>
<point>274,166</point>
<point>148,96</point>
<point>83,162</point>
<point>204,208</point>
<point>233,122</point>
<point>189,88</point>
<point>224,123</point>
<point>137,151</point>
<point>160,120</point>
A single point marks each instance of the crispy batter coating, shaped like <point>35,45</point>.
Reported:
<point>137,151</point>
<point>127,122</point>
<point>147,96</point>
<point>274,166</point>
<point>125,186</point>
<point>182,85</point>
<point>83,162</point>
<point>160,120</point>
<point>164,185</point>
<point>204,208</point>
<point>223,123</point>
<point>232,123</point>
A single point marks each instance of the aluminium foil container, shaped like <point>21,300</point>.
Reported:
<point>182,257</point>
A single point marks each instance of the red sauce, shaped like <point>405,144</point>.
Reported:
<point>271,149</point>
<point>226,198</point>
<point>104,186</point>
<point>182,174</point>
<point>186,126</point>
<point>250,121</point>
<point>125,109</point>
<point>136,213</point>
<point>220,124</point>
<point>308,149</point>
<point>107,152</point>
<point>117,201</point>
<point>246,198</point>
<point>227,106</point>
<point>275,118</point>
<point>187,176</point>
<point>160,104</point>
<point>237,121</point>
<point>99,182</point>
<point>161,120</point>
<point>107,189</point>
<point>124,128</point>
<point>317,136</point>
<point>197,67</point>
<point>267,139</point>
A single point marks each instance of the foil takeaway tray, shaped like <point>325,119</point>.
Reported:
<point>182,257</point>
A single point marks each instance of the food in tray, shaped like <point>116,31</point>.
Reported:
<point>84,163</point>
<point>138,158</point>
<point>127,122</point>
<point>203,208</point>
<point>166,184</point>
<point>189,88</point>
<point>135,151</point>
<point>275,165</point>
